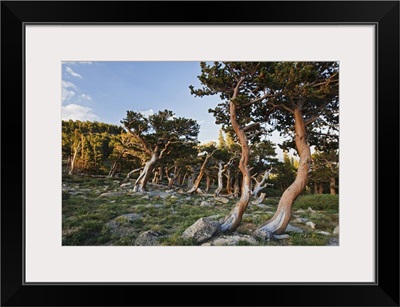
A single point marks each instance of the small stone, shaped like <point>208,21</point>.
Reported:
<point>281,237</point>
<point>222,200</point>
<point>311,224</point>
<point>291,228</point>
<point>323,233</point>
<point>148,238</point>
<point>336,230</point>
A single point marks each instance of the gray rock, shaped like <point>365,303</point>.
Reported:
<point>333,242</point>
<point>202,230</point>
<point>310,210</point>
<point>301,220</point>
<point>146,197</point>
<point>148,238</point>
<point>123,219</point>
<point>110,194</point>
<point>205,204</point>
<point>291,228</point>
<point>336,230</point>
<point>222,200</point>
<point>323,233</point>
<point>157,197</point>
<point>232,240</point>
<point>311,224</point>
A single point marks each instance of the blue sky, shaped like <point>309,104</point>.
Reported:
<point>104,91</point>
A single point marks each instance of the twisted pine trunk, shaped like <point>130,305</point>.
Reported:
<point>278,223</point>
<point>220,171</point>
<point>141,181</point>
<point>232,221</point>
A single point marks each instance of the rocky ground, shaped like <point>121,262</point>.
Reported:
<point>98,211</point>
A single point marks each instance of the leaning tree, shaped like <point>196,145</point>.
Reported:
<point>156,136</point>
<point>298,99</point>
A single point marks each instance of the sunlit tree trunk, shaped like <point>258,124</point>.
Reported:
<point>141,181</point>
<point>228,181</point>
<point>208,183</point>
<point>73,160</point>
<point>232,221</point>
<point>196,184</point>
<point>278,223</point>
<point>332,186</point>
<point>156,178</point>
<point>236,186</point>
<point>321,188</point>
<point>220,181</point>
<point>259,184</point>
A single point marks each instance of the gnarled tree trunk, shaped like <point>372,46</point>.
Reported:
<point>128,176</point>
<point>73,160</point>
<point>141,181</point>
<point>321,188</point>
<point>228,181</point>
<point>259,184</point>
<point>332,186</point>
<point>220,182</point>
<point>196,184</point>
<point>278,223</point>
<point>208,182</point>
<point>232,221</point>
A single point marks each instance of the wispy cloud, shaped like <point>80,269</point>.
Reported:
<point>72,73</point>
<point>85,97</point>
<point>77,112</point>
<point>147,113</point>
<point>68,90</point>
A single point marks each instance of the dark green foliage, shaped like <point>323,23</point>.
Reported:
<point>91,140</point>
<point>317,202</point>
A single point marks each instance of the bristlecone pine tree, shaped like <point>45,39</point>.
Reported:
<point>156,136</point>
<point>298,99</point>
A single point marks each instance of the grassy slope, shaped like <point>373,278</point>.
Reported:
<point>86,216</point>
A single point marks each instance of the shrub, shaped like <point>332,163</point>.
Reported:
<point>318,202</point>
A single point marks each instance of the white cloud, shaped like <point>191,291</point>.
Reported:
<point>86,97</point>
<point>77,112</point>
<point>67,91</point>
<point>147,113</point>
<point>66,84</point>
<point>72,73</point>
<point>66,94</point>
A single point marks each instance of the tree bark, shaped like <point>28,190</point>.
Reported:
<point>156,178</point>
<point>113,169</point>
<point>232,221</point>
<point>141,181</point>
<point>220,182</point>
<point>259,184</point>
<point>315,187</point>
<point>170,177</point>
<point>73,160</point>
<point>236,186</point>
<point>128,176</point>
<point>228,181</point>
<point>332,186</point>
<point>208,183</point>
<point>321,188</point>
<point>200,175</point>
<point>278,223</point>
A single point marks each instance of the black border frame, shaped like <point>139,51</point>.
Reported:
<point>383,14</point>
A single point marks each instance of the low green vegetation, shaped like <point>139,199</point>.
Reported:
<point>96,211</point>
